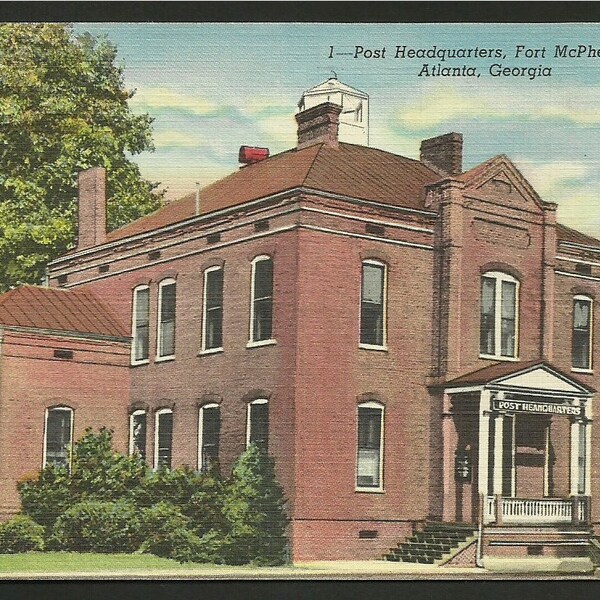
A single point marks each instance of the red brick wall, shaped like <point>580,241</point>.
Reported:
<point>95,384</point>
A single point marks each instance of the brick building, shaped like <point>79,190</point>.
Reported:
<point>412,342</point>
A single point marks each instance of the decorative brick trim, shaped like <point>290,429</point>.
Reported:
<point>255,394</point>
<point>209,398</point>
<point>503,267</point>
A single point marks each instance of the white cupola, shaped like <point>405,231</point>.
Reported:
<point>354,117</point>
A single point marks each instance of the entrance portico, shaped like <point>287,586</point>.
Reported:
<point>517,446</point>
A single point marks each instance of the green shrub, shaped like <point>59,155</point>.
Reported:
<point>46,497</point>
<point>254,506</point>
<point>21,534</point>
<point>178,485</point>
<point>93,526</point>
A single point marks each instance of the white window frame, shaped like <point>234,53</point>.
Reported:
<point>379,489</point>
<point>200,429</point>
<point>248,420</point>
<point>161,285</point>
<point>204,349</point>
<point>143,361</point>
<point>377,263</point>
<point>252,343</point>
<point>45,447</point>
<point>161,411</point>
<point>590,368</point>
<point>136,413</point>
<point>499,277</point>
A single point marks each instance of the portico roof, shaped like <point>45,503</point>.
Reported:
<point>534,374</point>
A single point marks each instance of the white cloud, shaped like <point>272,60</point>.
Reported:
<point>175,139</point>
<point>553,177</point>
<point>149,99</point>
<point>581,210</point>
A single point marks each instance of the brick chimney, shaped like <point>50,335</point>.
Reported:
<point>92,207</point>
<point>444,153</point>
<point>319,124</point>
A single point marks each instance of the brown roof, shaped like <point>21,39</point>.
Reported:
<point>77,311</point>
<point>356,171</point>
<point>503,369</point>
<point>566,234</point>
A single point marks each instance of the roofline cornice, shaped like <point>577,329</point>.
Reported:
<point>64,333</point>
<point>232,209</point>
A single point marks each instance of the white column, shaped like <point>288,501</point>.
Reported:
<point>574,473</point>
<point>484,441</point>
<point>587,412</point>
<point>498,453</point>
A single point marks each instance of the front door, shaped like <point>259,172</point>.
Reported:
<point>531,456</point>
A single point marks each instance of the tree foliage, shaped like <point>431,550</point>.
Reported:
<point>63,108</point>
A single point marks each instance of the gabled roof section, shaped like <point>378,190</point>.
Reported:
<point>534,374</point>
<point>75,311</point>
<point>500,168</point>
<point>349,170</point>
<point>333,85</point>
<point>566,234</point>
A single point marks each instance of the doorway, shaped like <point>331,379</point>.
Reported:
<point>531,456</point>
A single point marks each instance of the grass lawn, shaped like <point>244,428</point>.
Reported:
<point>53,562</point>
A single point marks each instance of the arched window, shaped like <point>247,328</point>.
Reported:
<point>373,305</point>
<point>581,343</point>
<point>212,310</point>
<point>499,315</point>
<point>261,301</point>
<point>58,436</point>
<point>257,428</point>
<point>165,339</point>
<point>140,325</point>
<point>137,433</point>
<point>163,438</point>
<point>369,457</point>
<point>209,425</point>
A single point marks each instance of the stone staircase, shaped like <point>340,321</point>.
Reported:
<point>431,544</point>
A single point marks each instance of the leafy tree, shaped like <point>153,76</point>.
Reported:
<point>63,108</point>
<point>255,509</point>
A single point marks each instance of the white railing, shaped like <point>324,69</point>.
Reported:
<point>534,511</point>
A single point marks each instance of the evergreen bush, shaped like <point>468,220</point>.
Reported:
<point>21,534</point>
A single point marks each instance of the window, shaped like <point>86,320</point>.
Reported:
<point>165,347</point>
<point>140,325</point>
<point>163,441</point>
<point>212,319</point>
<point>261,304</point>
<point>499,316</point>
<point>58,436</point>
<point>372,305</point>
<point>369,461</point>
<point>137,433</point>
<point>208,443</point>
<point>581,344</point>
<point>258,424</point>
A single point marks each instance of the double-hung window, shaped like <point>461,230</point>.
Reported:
<point>499,306</point>
<point>369,459</point>
<point>261,301</point>
<point>58,436</point>
<point>257,430</point>
<point>212,319</point>
<point>165,340</point>
<point>140,325</point>
<point>137,433</point>
<point>373,305</point>
<point>581,343</point>
<point>163,439</point>
<point>208,443</point>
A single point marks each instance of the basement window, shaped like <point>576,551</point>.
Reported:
<point>154,255</point>
<point>103,268</point>
<point>61,279</point>
<point>66,354</point>
<point>367,534</point>
<point>213,238</point>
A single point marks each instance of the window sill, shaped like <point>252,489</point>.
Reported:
<point>164,358</point>
<point>261,343</point>
<point>500,358</point>
<point>580,370</point>
<point>210,351</point>
<point>369,490</point>
<point>137,363</point>
<point>373,347</point>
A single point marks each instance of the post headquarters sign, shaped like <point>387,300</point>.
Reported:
<point>537,407</point>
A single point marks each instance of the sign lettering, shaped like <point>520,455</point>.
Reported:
<point>537,407</point>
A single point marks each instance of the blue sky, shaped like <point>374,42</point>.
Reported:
<point>214,87</point>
